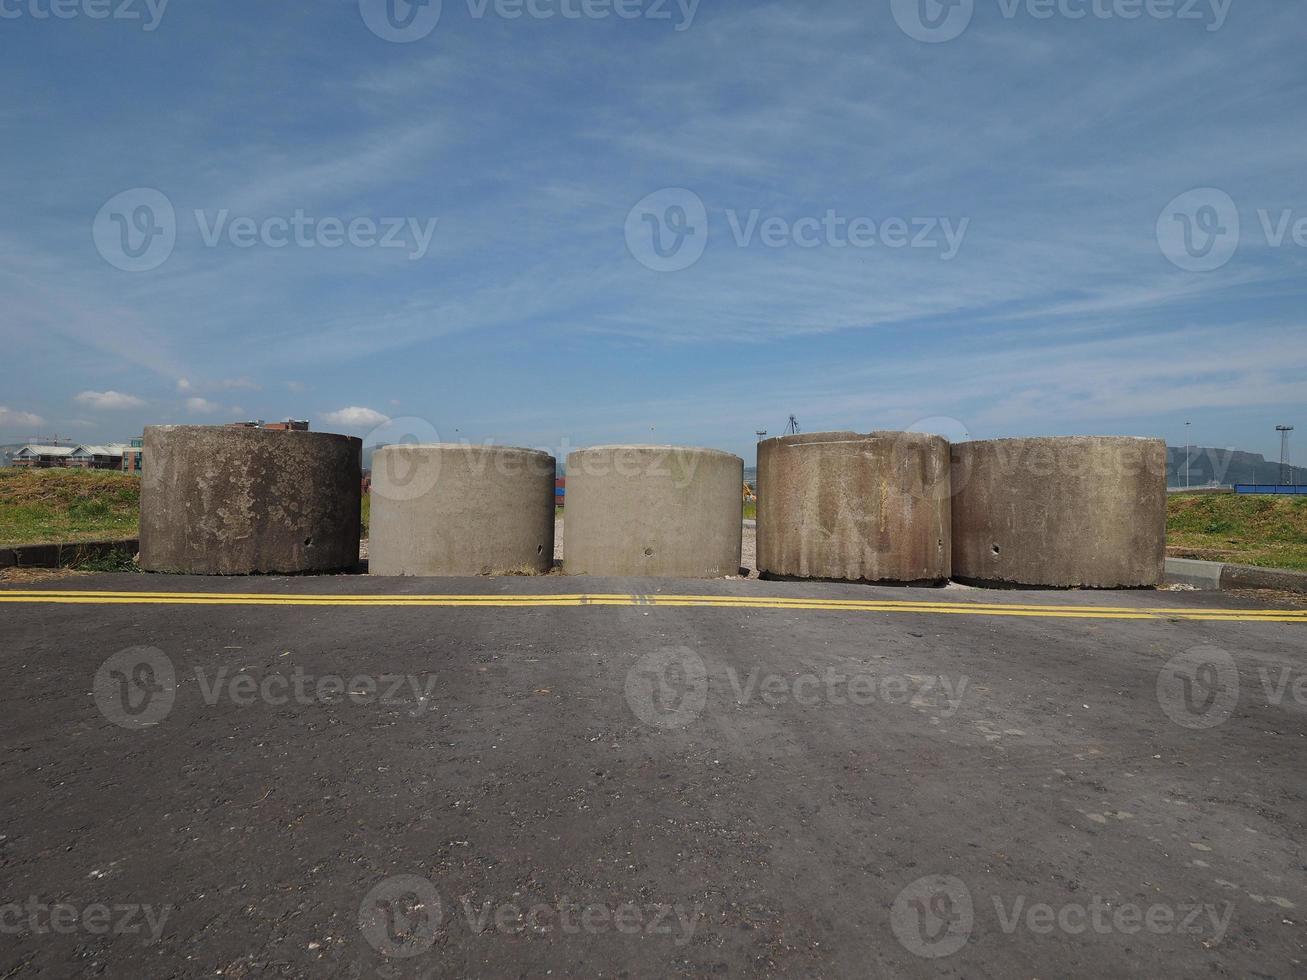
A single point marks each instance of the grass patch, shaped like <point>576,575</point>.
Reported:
<point>751,510</point>
<point>42,506</point>
<point>1267,531</point>
<point>117,560</point>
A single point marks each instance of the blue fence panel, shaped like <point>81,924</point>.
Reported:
<point>1268,488</point>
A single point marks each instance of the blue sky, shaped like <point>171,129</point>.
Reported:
<point>1056,148</point>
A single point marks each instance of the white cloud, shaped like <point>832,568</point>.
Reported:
<point>12,418</point>
<point>106,400</point>
<point>202,406</point>
<point>183,384</point>
<point>295,386</point>
<point>355,416</point>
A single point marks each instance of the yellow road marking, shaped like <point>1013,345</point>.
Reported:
<point>1035,610</point>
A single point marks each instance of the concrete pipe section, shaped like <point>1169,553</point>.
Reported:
<point>1080,511</point>
<point>667,511</point>
<point>461,510</point>
<point>217,500</point>
<point>854,507</point>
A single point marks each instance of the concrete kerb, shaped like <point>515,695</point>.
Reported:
<point>63,554</point>
<point>1217,576</point>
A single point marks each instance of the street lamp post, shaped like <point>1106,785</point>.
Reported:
<point>1186,455</point>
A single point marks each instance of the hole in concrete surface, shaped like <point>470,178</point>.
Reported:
<point>308,542</point>
<point>540,549</point>
<point>648,552</point>
<point>995,549</point>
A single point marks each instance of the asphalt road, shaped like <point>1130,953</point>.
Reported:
<point>774,778</point>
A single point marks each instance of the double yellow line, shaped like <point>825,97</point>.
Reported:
<point>505,601</point>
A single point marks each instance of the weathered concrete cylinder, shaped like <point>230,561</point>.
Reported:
<point>667,511</point>
<point>1077,511</point>
<point>854,507</point>
<point>217,500</point>
<point>461,510</point>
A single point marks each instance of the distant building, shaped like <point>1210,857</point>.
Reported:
<point>290,425</point>
<point>107,457</point>
<point>36,456</point>
<point>84,457</point>
<point>132,456</point>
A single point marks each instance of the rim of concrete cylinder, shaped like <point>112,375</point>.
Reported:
<point>1065,439</point>
<point>242,432</point>
<point>462,447</point>
<point>879,435</point>
<point>645,448</point>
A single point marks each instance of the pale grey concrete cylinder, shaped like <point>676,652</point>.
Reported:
<point>461,510</point>
<point>1061,512</point>
<point>665,511</point>
<point>854,507</point>
<point>217,500</point>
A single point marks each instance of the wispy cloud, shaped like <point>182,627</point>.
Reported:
<point>12,418</point>
<point>109,400</point>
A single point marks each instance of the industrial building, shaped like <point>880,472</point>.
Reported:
<point>86,456</point>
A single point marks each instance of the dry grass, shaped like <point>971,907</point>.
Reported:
<point>39,506</point>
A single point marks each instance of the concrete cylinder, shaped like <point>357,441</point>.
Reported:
<point>461,510</point>
<point>854,507</point>
<point>217,500</point>
<point>1067,512</point>
<point>666,511</point>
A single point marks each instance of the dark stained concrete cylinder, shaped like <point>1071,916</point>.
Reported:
<point>854,507</point>
<point>461,510</point>
<point>666,511</point>
<point>217,500</point>
<point>1064,512</point>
